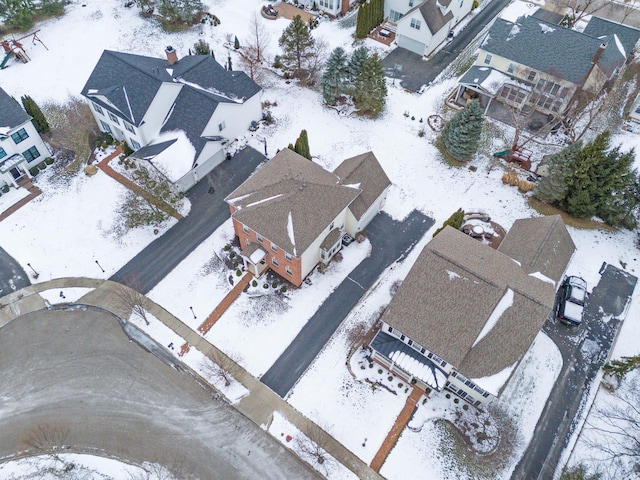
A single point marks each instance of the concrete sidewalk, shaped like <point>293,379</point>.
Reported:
<point>259,406</point>
<point>33,193</point>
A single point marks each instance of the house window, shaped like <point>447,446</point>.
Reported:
<point>259,237</point>
<point>410,342</point>
<point>31,154</point>
<point>394,16</point>
<point>415,23</point>
<point>19,136</point>
<point>113,118</point>
<point>129,127</point>
<point>245,229</point>
<point>221,126</point>
<point>390,329</point>
<point>402,337</point>
<point>422,350</point>
<point>513,94</point>
<point>97,108</point>
<point>288,270</point>
<point>135,145</point>
<point>287,256</point>
<point>488,58</point>
<point>511,68</point>
<point>274,260</point>
<point>532,76</point>
<point>274,248</point>
<point>246,242</point>
<point>106,127</point>
<point>331,226</point>
<point>461,3</point>
<point>2,153</point>
<point>411,3</point>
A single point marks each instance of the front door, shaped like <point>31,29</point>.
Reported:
<point>15,173</point>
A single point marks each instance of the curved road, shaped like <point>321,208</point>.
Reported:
<point>79,369</point>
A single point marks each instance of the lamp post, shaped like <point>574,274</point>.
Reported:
<point>35,274</point>
<point>192,312</point>
<point>100,266</point>
<point>262,139</point>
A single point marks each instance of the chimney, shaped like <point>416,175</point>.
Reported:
<point>172,55</point>
<point>599,53</point>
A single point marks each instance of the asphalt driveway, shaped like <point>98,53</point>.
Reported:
<point>391,240</point>
<point>208,212</point>
<point>585,350</point>
<point>417,72</point>
<point>77,369</point>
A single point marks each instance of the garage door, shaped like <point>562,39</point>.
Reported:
<point>410,44</point>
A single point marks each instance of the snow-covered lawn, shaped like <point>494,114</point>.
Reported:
<point>64,231</point>
<point>70,227</point>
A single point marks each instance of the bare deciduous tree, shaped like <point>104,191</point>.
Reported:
<point>357,334</point>
<point>614,429</point>
<point>222,367</point>
<point>173,468</point>
<point>578,9</point>
<point>46,439</point>
<point>129,299</point>
<point>259,37</point>
<point>314,443</point>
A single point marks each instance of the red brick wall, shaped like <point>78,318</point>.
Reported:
<point>295,264</point>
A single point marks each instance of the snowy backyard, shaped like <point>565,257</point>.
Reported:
<point>74,229</point>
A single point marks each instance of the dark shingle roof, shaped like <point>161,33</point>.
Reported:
<point>540,244</point>
<point>364,171</point>
<point>546,47</point>
<point>130,82</point>
<point>548,16</point>
<point>450,294</point>
<point>599,27</point>
<point>152,150</point>
<point>290,195</point>
<point>11,112</point>
<point>432,14</point>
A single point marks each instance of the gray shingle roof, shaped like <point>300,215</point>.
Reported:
<point>130,82</point>
<point>599,27</point>
<point>365,171</point>
<point>540,244</point>
<point>290,187</point>
<point>543,46</point>
<point>11,112</point>
<point>152,150</point>
<point>548,16</point>
<point>432,14</point>
<point>451,292</point>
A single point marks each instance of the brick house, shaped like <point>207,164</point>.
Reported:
<point>291,214</point>
<point>466,314</point>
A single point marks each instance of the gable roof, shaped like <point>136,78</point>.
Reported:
<point>130,82</point>
<point>290,201</point>
<point>453,303</point>
<point>11,112</point>
<point>364,172</point>
<point>486,78</point>
<point>572,62</point>
<point>600,27</point>
<point>540,244</point>
<point>431,14</point>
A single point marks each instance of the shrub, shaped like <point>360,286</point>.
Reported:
<point>5,189</point>
<point>512,178</point>
<point>265,286</point>
<point>232,255</point>
<point>390,378</point>
<point>454,220</point>
<point>227,248</point>
<point>42,166</point>
<point>126,149</point>
<point>277,62</point>
<point>448,395</point>
<point>33,171</point>
<point>48,160</point>
<point>283,290</point>
<point>456,400</point>
<point>238,272</point>
<point>465,407</point>
<point>254,284</point>
<point>274,285</point>
<point>380,371</point>
<point>400,385</point>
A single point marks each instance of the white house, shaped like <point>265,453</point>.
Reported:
<point>177,114</point>
<point>466,314</point>
<point>291,214</point>
<point>331,7</point>
<point>422,25</point>
<point>21,147</point>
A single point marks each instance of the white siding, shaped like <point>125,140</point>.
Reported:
<point>372,211</point>
<point>311,256</point>
<point>157,112</point>
<point>195,175</point>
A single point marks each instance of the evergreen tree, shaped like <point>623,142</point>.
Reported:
<point>461,135</point>
<point>334,81</point>
<point>17,13</point>
<point>32,108</point>
<point>297,44</point>
<point>370,87</point>
<point>302,145</point>
<point>201,48</point>
<point>603,183</point>
<point>619,368</point>
<point>454,221</point>
<point>358,57</point>
<point>551,187</point>
<point>236,43</point>
<point>361,22</point>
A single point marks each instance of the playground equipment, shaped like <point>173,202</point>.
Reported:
<point>520,156</point>
<point>13,47</point>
